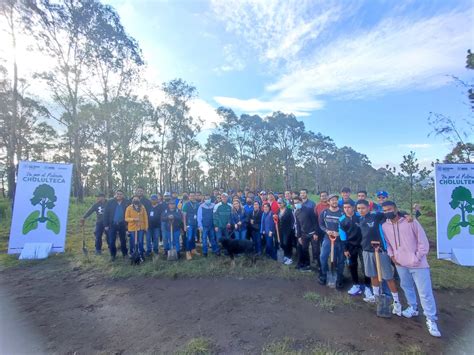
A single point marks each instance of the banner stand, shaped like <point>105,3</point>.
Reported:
<point>32,251</point>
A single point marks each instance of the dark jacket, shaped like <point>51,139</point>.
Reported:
<point>349,232</point>
<point>154,215</point>
<point>99,209</point>
<point>239,216</point>
<point>146,203</point>
<point>306,222</point>
<point>191,210</point>
<point>285,223</point>
<point>268,225</point>
<point>329,220</point>
<point>109,211</point>
<point>177,221</point>
<point>256,216</point>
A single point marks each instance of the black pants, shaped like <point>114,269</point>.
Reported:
<point>119,229</point>
<point>316,249</point>
<point>287,244</point>
<point>303,251</point>
<point>356,255</point>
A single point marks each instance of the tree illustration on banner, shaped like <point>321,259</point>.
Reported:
<point>461,198</point>
<point>45,197</point>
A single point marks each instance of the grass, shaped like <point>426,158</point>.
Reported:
<point>289,346</point>
<point>329,303</point>
<point>198,346</point>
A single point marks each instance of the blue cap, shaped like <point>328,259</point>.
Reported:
<point>154,197</point>
<point>382,193</point>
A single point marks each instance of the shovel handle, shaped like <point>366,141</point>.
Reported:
<point>377,261</point>
<point>332,249</point>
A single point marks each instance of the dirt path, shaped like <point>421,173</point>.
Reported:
<point>68,312</point>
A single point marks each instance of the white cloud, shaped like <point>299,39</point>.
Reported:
<point>300,107</point>
<point>416,145</point>
<point>398,53</point>
<point>206,112</point>
<point>233,62</point>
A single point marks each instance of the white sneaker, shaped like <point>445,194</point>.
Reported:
<point>285,259</point>
<point>410,312</point>
<point>397,308</point>
<point>433,328</point>
<point>288,261</point>
<point>368,295</point>
<point>355,290</point>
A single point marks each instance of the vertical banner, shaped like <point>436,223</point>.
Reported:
<point>41,205</point>
<point>454,189</point>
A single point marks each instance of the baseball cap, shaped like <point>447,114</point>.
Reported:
<point>263,192</point>
<point>224,194</point>
<point>332,196</point>
<point>167,194</point>
<point>280,200</point>
<point>154,197</point>
<point>382,193</point>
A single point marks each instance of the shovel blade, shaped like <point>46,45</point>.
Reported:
<point>172,255</point>
<point>383,307</point>
<point>280,255</point>
<point>332,279</point>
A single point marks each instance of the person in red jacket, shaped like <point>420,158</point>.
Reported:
<point>273,203</point>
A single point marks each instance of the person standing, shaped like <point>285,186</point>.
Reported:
<point>206,226</point>
<point>329,224</point>
<point>172,217</point>
<point>222,218</point>
<point>408,247</point>
<point>255,223</point>
<point>315,242</point>
<point>154,225</point>
<point>239,220</point>
<point>190,210</point>
<point>382,196</point>
<point>323,203</point>
<point>362,195</point>
<point>137,224</point>
<point>345,196</point>
<point>306,230</point>
<point>286,224</point>
<point>267,229</point>
<point>273,203</point>
<point>114,223</point>
<point>98,208</point>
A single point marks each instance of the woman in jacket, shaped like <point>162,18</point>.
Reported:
<point>286,224</point>
<point>239,220</point>
<point>255,223</point>
<point>137,220</point>
<point>267,230</point>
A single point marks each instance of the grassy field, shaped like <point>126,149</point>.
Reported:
<point>445,274</point>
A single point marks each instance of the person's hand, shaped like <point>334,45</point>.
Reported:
<point>410,219</point>
<point>236,226</point>
<point>216,229</point>
<point>315,237</point>
<point>82,221</point>
<point>170,217</point>
<point>106,229</point>
<point>300,240</point>
<point>347,254</point>
<point>329,233</point>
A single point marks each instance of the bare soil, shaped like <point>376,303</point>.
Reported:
<point>59,310</point>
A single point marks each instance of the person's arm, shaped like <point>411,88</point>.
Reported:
<point>128,215</point>
<point>91,210</point>
<point>314,226</point>
<point>262,224</point>
<point>185,213</point>
<point>199,217</point>
<point>322,222</point>
<point>107,215</point>
<point>271,230</point>
<point>144,219</point>
<point>298,228</point>
<point>423,245</point>
<point>215,216</point>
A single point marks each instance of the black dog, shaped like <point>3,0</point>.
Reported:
<point>234,247</point>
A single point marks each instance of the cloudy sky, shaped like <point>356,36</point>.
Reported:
<point>366,73</point>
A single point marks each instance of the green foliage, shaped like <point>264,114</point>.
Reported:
<point>454,226</point>
<point>45,196</point>
<point>461,198</point>
<point>198,346</point>
<point>53,222</point>
<point>31,222</point>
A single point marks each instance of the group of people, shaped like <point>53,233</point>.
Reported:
<point>354,230</point>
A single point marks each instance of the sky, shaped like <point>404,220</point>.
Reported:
<point>365,73</point>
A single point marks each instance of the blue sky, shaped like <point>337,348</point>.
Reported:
<point>366,73</point>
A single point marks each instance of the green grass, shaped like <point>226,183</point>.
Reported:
<point>329,303</point>
<point>289,346</point>
<point>198,346</point>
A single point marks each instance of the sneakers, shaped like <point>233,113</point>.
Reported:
<point>305,268</point>
<point>322,281</point>
<point>355,290</point>
<point>287,261</point>
<point>433,328</point>
<point>368,296</point>
<point>410,312</point>
<point>397,308</point>
<point>188,255</point>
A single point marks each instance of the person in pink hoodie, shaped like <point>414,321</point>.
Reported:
<point>408,246</point>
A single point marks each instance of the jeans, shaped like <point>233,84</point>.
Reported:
<point>271,246</point>
<point>411,277</point>
<point>152,239</point>
<point>113,230</point>
<point>208,232</point>
<point>98,232</point>
<point>257,241</point>
<point>191,238</point>
<point>338,258</point>
<point>175,241</point>
<point>221,233</point>
<point>240,234</point>
<point>140,235</point>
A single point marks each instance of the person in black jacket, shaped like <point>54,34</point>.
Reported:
<point>154,224</point>
<point>286,223</point>
<point>255,222</point>
<point>114,222</point>
<point>171,216</point>
<point>306,229</point>
<point>97,208</point>
<point>140,192</point>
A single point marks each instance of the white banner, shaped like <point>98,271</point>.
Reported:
<point>41,205</point>
<point>454,188</point>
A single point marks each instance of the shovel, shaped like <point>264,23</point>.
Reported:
<point>172,254</point>
<point>383,304</point>
<point>136,259</point>
<point>332,276</point>
<point>84,247</point>
<point>280,253</point>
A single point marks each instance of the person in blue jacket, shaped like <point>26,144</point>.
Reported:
<point>205,220</point>
<point>239,220</point>
<point>267,230</point>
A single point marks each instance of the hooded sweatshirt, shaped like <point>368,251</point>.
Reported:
<point>205,215</point>
<point>222,212</point>
<point>407,243</point>
<point>131,214</point>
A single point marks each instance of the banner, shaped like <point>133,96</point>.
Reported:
<point>454,189</point>
<point>41,205</point>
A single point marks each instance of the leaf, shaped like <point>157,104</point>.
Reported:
<point>31,222</point>
<point>454,226</point>
<point>470,219</point>
<point>53,222</point>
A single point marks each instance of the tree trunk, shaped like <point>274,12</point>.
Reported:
<point>78,188</point>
